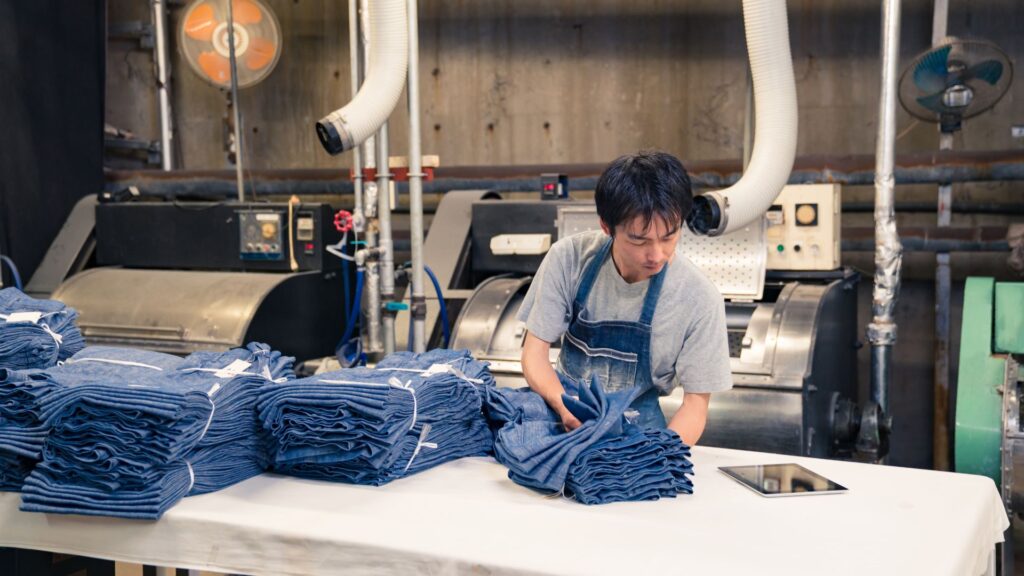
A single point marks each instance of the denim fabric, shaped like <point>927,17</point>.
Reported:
<point>640,464</point>
<point>41,344</point>
<point>538,453</point>
<point>372,426</point>
<point>605,460</point>
<point>137,431</point>
<point>616,353</point>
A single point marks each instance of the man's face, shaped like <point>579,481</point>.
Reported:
<point>641,251</point>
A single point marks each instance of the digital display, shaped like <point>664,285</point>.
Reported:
<point>782,480</point>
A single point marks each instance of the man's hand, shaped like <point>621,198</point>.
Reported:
<point>544,381</point>
<point>569,422</point>
<point>691,418</point>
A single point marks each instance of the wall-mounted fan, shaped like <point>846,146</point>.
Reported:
<point>203,38</point>
<point>955,80</point>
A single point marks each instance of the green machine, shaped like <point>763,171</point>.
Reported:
<point>988,437</point>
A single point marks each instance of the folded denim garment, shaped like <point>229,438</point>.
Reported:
<point>133,446</point>
<point>31,400</point>
<point>372,426</point>
<point>35,333</point>
<point>606,459</point>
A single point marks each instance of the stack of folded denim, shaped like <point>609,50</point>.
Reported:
<point>135,436</point>
<point>606,459</point>
<point>35,333</point>
<point>640,464</point>
<point>372,426</point>
<point>32,400</point>
<point>538,452</point>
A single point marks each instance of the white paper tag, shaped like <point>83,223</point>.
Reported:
<point>19,317</point>
<point>437,369</point>
<point>233,369</point>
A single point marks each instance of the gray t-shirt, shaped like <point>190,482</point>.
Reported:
<point>689,343</point>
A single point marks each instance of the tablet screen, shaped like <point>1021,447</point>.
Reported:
<point>782,480</point>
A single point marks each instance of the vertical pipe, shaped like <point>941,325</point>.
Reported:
<point>888,251</point>
<point>355,80</point>
<point>372,342</point>
<point>418,312</point>
<point>234,101</point>
<point>163,78</point>
<point>387,262</point>
<point>940,416</point>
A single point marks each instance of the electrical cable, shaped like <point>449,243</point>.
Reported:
<point>14,271</point>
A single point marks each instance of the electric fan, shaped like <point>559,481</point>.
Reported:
<point>203,39</point>
<point>955,80</point>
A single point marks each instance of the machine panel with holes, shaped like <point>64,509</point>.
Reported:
<point>802,228</point>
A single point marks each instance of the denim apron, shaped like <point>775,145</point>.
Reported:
<point>616,352</point>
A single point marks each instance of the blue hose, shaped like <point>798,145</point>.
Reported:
<point>444,309</point>
<point>350,326</point>
<point>14,271</point>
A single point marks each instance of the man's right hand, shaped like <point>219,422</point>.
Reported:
<point>569,422</point>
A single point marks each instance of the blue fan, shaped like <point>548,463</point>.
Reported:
<point>955,80</point>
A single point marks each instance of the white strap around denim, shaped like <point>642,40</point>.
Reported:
<point>392,383</point>
<point>191,477</point>
<point>438,369</point>
<point>111,361</point>
<point>420,444</point>
<point>237,368</point>
<point>33,318</point>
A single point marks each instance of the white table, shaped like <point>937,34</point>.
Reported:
<point>466,516</point>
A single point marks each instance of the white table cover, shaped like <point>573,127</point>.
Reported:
<point>467,517</point>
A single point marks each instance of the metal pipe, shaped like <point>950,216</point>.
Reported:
<point>234,102</point>
<point>372,308</point>
<point>163,81</point>
<point>384,241</point>
<point>944,213</point>
<point>748,120</point>
<point>888,252</point>
<point>418,312</point>
<point>355,75</point>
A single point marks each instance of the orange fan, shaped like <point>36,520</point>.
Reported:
<point>204,40</point>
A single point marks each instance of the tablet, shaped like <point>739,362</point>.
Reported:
<point>773,480</point>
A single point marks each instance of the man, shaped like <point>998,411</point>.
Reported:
<point>628,311</point>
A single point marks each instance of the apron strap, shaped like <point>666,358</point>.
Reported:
<point>590,275</point>
<point>651,299</point>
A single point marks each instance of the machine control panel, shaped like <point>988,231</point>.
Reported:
<point>802,228</point>
<point>260,235</point>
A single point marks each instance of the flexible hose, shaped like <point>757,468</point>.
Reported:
<point>445,330</point>
<point>350,325</point>
<point>13,269</point>
<point>352,124</point>
<point>771,66</point>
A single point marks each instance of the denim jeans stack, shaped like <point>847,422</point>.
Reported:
<point>35,333</point>
<point>32,400</point>
<point>134,437</point>
<point>373,426</point>
<point>640,464</point>
<point>606,459</point>
<point>459,362</point>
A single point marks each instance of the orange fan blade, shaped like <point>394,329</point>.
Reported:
<point>246,12</point>
<point>260,53</point>
<point>200,23</point>
<point>216,67</point>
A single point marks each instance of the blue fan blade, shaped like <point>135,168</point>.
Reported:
<point>930,73</point>
<point>990,71</point>
<point>933,102</point>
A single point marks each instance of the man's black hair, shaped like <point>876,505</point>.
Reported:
<point>646,184</point>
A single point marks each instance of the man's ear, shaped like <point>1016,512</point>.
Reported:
<point>606,229</point>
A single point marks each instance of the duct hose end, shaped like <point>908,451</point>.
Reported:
<point>333,135</point>
<point>708,216</point>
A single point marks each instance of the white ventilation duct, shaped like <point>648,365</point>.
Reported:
<point>771,162</point>
<point>349,126</point>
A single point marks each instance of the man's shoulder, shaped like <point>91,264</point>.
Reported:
<point>686,280</point>
<point>578,248</point>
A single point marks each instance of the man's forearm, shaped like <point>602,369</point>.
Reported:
<point>692,416</point>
